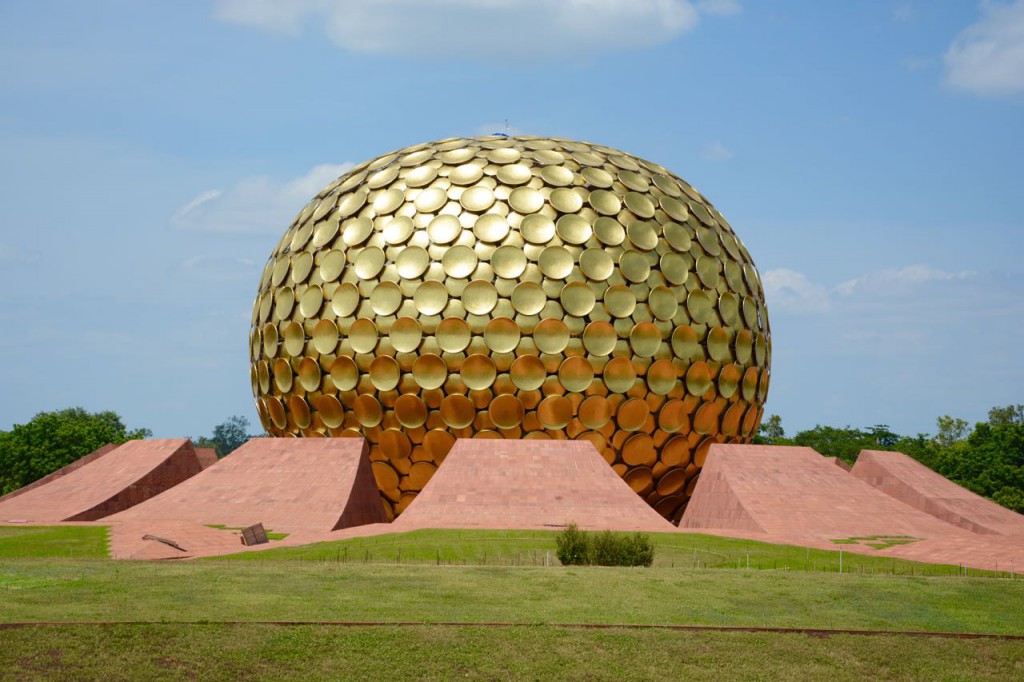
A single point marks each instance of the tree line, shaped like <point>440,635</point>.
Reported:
<point>987,459</point>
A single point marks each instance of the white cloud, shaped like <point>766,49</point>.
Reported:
<point>255,204</point>
<point>895,281</point>
<point>903,12</point>
<point>987,57</point>
<point>527,30</point>
<point>792,291</point>
<point>715,151</point>
<point>720,7</point>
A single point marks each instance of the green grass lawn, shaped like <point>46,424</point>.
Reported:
<point>260,652</point>
<point>51,590</point>
<point>185,613</point>
<point>537,548</point>
<point>67,542</point>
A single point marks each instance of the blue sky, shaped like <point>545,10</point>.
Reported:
<point>870,154</point>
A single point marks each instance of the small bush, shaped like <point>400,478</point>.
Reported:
<point>577,548</point>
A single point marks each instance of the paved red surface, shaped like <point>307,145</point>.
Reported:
<point>301,486</point>
<point>793,495</point>
<point>207,456</point>
<point>63,471</point>
<point>526,484</point>
<point>912,483</point>
<point>108,483</point>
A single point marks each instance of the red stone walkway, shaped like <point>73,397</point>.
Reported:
<point>301,486</point>
<point>792,495</point>
<point>524,484</point>
<point>912,483</point>
<point>103,482</point>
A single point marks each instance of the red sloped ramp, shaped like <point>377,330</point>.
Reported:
<point>108,482</point>
<point>290,485</point>
<point>795,492</point>
<point>63,471</point>
<point>528,484</point>
<point>912,483</point>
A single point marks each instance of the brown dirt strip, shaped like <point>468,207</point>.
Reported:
<point>813,632</point>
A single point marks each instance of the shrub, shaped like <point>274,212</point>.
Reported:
<point>577,548</point>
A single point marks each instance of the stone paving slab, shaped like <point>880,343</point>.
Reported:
<point>107,483</point>
<point>914,484</point>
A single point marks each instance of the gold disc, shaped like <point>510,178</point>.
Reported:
<point>645,339</point>
<point>597,264</point>
<point>554,412</point>
<point>508,261</point>
<point>698,379</point>
<point>308,374</point>
<point>344,373</point>
<point>345,299</point>
<point>405,335</point>
<point>673,417</point>
<point>444,229</point>
<point>729,380</point>
<point>459,261</point>
<point>573,228</point>
<point>661,377</point>
<point>362,336</point>
<point>506,411</point>
<point>698,303</point>
<point>578,298</point>
<point>537,228</point>
<point>367,410</point>
<point>551,336</point>
<point>609,231</point>
<point>662,303</point>
<point>501,335</point>
<point>718,344</point>
<point>330,411</point>
<point>430,298</point>
<point>632,414</point>
<point>384,373</point>
<point>634,266</point>
<point>479,297</point>
<point>429,371</point>
<point>453,335</point>
<point>599,338</point>
<point>527,372</point>
<point>294,338</point>
<point>457,411</point>
<point>369,262</point>
<point>385,298</point>
<point>525,200</point>
<point>528,298</point>
<point>638,450</point>
<point>325,336</point>
<point>576,374</point>
<point>604,202</point>
<point>565,200</point>
<point>595,412</point>
<point>619,301</point>
<point>395,444</point>
<point>619,375</point>
<point>477,199</point>
<point>478,371</point>
<point>410,411</point>
<point>398,230</point>
<point>555,262</point>
<point>491,227</point>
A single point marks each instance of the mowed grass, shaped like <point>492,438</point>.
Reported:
<point>538,548</point>
<point>66,542</point>
<point>261,652</point>
<point>53,590</point>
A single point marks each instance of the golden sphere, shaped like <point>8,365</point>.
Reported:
<point>513,287</point>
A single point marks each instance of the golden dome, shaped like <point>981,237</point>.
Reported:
<point>513,287</point>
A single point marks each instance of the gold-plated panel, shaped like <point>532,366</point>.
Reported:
<point>576,374</point>
<point>501,335</point>
<point>578,298</point>
<point>508,261</point>
<point>619,375</point>
<point>362,335</point>
<point>453,335</point>
<point>479,297</point>
<point>385,373</point>
<point>599,338</point>
<point>527,372</point>
<point>478,371</point>
<point>506,411</point>
<point>528,298</point>
<point>551,336</point>
<point>513,287</point>
<point>554,412</point>
<point>556,262</point>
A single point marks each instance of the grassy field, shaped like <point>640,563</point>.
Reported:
<point>197,619</point>
<point>310,591</point>
<point>223,652</point>
<point>537,548</point>
<point>64,542</point>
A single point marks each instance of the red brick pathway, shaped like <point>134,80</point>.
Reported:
<point>106,483</point>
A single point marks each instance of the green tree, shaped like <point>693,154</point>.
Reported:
<point>1010,414</point>
<point>771,431</point>
<point>951,430</point>
<point>227,437</point>
<point>52,440</point>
